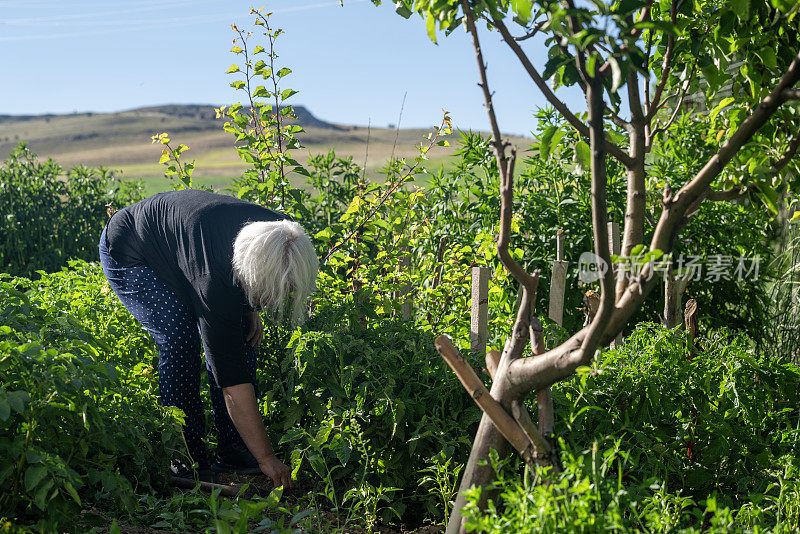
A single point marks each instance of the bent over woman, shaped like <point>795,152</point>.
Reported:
<point>194,268</point>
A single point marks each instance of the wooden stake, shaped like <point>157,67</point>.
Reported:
<point>673,295</point>
<point>532,447</point>
<point>690,316</point>
<point>406,310</point>
<point>614,247</point>
<point>479,312</point>
<point>558,282</point>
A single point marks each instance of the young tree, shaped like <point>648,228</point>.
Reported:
<point>638,62</point>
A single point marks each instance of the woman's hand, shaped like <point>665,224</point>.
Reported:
<point>255,330</point>
<point>279,472</point>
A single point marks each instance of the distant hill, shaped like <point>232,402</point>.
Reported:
<point>121,141</point>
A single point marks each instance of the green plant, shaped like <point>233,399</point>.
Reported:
<point>262,127</point>
<point>171,159</point>
<point>75,429</point>
<point>49,216</point>
<point>442,477</point>
<point>655,442</point>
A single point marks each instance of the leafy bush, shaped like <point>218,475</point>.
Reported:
<point>655,441</point>
<point>75,429</point>
<point>370,410</point>
<point>48,216</point>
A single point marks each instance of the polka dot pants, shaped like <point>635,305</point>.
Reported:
<point>173,327</point>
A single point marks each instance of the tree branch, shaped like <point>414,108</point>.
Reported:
<point>538,26</point>
<point>530,374</point>
<point>791,94</point>
<point>505,165</point>
<point>654,105</point>
<point>594,98</point>
<point>788,154</point>
<point>540,83</point>
<point>676,209</point>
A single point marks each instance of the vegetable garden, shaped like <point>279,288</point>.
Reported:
<point>668,430</point>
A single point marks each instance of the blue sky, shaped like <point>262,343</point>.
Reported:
<point>351,64</point>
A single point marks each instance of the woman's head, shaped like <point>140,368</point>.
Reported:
<point>276,264</point>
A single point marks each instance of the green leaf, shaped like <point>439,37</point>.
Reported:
<point>341,448</point>
<point>741,8</point>
<point>591,64</point>
<point>627,6</point>
<point>583,156</point>
<point>570,75</point>
<point>40,498</point>
<point>550,137</point>
<point>767,55</point>
<point>769,196</point>
<point>523,9</point>
<point>553,64</point>
<point>34,475</point>
<point>430,23</point>
<point>725,102</point>
<point>287,93</point>
<point>284,71</point>
<point>232,69</point>
<point>18,400</point>
<point>657,25</point>
<point>5,408</point>
<point>236,50</point>
<point>322,436</point>
<point>401,9</point>
<point>72,492</point>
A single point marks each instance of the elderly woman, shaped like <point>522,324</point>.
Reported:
<point>194,267</point>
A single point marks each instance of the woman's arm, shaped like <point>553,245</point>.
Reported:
<point>240,401</point>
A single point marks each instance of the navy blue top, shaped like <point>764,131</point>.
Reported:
<point>187,238</point>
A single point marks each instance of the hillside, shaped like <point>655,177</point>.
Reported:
<point>121,141</point>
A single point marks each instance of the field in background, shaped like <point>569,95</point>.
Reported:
<point>121,141</point>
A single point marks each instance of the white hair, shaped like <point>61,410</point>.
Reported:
<point>276,264</point>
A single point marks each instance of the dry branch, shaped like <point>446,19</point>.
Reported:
<point>189,483</point>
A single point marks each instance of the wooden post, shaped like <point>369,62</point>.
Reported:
<point>673,297</point>
<point>479,313</point>
<point>558,281</point>
<point>406,310</point>
<point>614,248</point>
<point>690,318</point>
